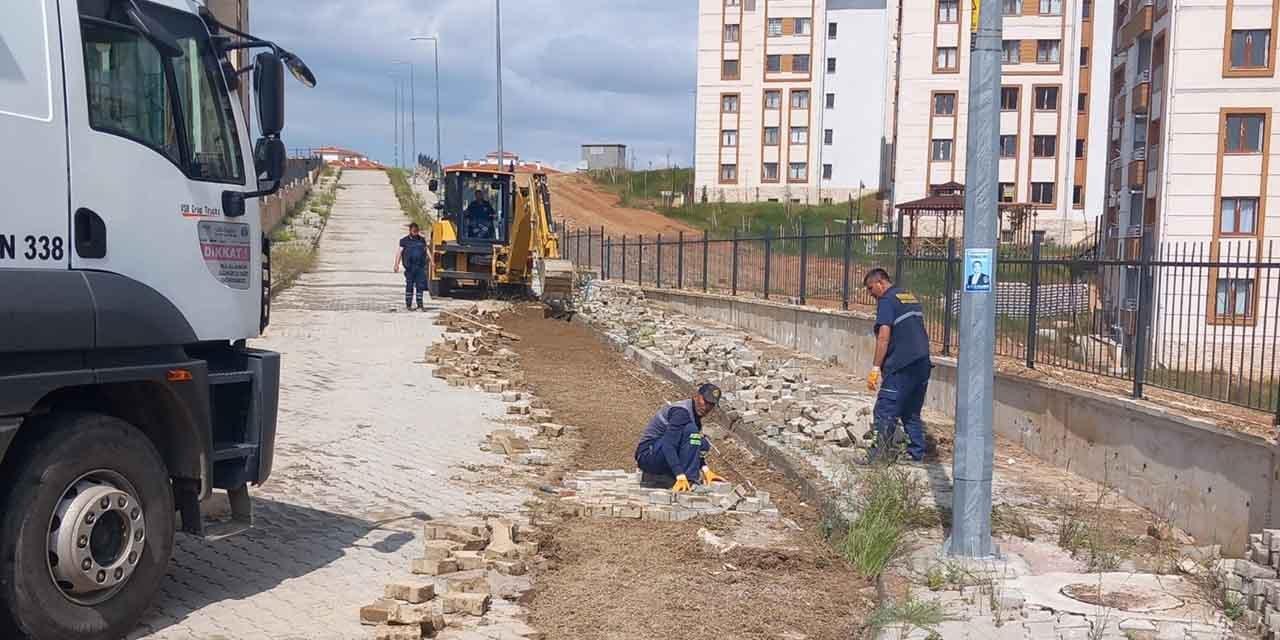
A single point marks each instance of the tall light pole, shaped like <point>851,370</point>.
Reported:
<point>975,441</point>
<point>413,117</point>
<point>435,41</point>
<point>502,156</point>
<point>395,143</point>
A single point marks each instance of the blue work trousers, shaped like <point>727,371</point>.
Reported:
<point>689,458</point>
<point>415,281</point>
<point>901,399</point>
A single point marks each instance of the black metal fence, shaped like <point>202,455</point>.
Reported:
<point>1196,318</point>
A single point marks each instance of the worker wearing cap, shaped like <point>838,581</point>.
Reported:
<point>413,255</point>
<point>673,448</point>
<point>901,368</point>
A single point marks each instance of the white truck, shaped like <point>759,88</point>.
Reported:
<point>132,270</point>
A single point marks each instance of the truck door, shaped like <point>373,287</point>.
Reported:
<point>154,143</point>
<point>33,166</point>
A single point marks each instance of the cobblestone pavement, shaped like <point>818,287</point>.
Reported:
<point>366,442</point>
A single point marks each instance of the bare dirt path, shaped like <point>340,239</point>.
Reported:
<point>613,579</point>
<point>575,199</point>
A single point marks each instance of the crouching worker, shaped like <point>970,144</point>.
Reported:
<point>672,452</point>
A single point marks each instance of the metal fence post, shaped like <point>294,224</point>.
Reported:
<point>706,254</point>
<point>602,247</point>
<point>848,254</point>
<point>768,258</point>
<point>1144,314</point>
<point>804,260</point>
<point>948,288</point>
<point>640,260</point>
<point>680,264</point>
<point>899,251</point>
<point>606,247</point>
<point>733,277</point>
<point>590,257</point>
<point>1033,309</point>
<point>658,279</point>
<point>624,258</point>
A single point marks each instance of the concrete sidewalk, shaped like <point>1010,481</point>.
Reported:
<point>366,442</point>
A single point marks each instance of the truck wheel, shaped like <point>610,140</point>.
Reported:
<point>86,531</point>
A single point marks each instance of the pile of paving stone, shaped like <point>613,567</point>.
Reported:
<point>471,352</point>
<point>1252,583</point>
<point>773,397</point>
<point>618,494</point>
<point>464,567</point>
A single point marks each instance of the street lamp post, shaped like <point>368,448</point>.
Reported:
<point>413,117</point>
<point>498,14</point>
<point>395,140</point>
<point>435,41</point>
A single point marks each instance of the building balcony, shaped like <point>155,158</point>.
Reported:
<point>1117,105</point>
<point>1142,94</point>
<point>1137,174</point>
<point>1139,23</point>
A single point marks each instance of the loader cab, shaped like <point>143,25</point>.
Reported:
<point>480,204</point>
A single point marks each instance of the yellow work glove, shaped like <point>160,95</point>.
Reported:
<point>873,379</point>
<point>682,485</point>
<point>709,476</point>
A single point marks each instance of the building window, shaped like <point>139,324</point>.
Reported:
<point>773,63</point>
<point>1011,52</point>
<point>1244,134</point>
<point>948,11</point>
<point>749,5</point>
<point>831,100</point>
<point>798,171</point>
<point>799,135</point>
<point>1046,98</point>
<point>1044,146</point>
<point>1079,147</point>
<point>831,65</point>
<point>729,104</point>
<point>731,3</point>
<point>1250,49</point>
<point>1009,98</point>
<point>799,99</point>
<point>1011,7</point>
<point>773,100</point>
<point>1235,298</point>
<point>1048,51</point>
<point>1082,103</point>
<point>827,170</point>
<point>730,70</point>
<point>942,150</point>
<point>1077,195</point>
<point>828,136</point>
<point>728,173</point>
<point>1008,146</point>
<point>770,172</point>
<point>1042,192</point>
<point>1086,9</point>
<point>831,30</point>
<point>774,27</point>
<point>1008,193</point>
<point>1239,217</point>
<point>944,104</point>
<point>732,32</point>
<point>772,136</point>
<point>800,63</point>
<point>803,26</point>
<point>946,58</point>
<point>1050,7</point>
<point>729,138</point>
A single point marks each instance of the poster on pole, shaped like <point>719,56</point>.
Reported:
<point>977,270</point>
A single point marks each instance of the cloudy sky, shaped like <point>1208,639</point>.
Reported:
<point>575,71</point>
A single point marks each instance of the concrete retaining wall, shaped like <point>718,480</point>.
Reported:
<point>1216,484</point>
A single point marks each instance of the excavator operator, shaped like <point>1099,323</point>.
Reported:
<point>480,217</point>
<point>673,448</point>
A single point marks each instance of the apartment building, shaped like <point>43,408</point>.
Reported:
<point>791,99</point>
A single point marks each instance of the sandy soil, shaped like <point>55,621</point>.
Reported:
<point>611,579</point>
<point>582,204</point>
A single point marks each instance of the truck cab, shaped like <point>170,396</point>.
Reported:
<point>472,238</point>
<point>133,269</point>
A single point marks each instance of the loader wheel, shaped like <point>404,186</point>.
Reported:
<point>87,529</point>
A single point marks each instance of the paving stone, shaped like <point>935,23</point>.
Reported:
<point>473,604</point>
<point>426,567</point>
<point>379,612</point>
<point>469,560</point>
<point>468,584</point>
<point>397,632</point>
<point>436,550</point>
<point>509,567</point>
<point>411,592</point>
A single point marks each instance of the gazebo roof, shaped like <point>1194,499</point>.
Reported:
<point>935,203</point>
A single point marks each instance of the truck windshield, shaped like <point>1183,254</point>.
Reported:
<point>178,106</point>
<point>483,205</point>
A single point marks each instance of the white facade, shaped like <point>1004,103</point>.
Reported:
<point>762,99</point>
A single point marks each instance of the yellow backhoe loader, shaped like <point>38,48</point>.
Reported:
<point>495,230</point>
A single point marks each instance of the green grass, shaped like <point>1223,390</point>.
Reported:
<point>888,505</point>
<point>643,188</point>
<point>911,614</point>
<point>410,203</point>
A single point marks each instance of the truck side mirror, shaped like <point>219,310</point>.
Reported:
<point>269,156</point>
<point>268,87</point>
<point>433,185</point>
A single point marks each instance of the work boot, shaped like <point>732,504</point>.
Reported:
<point>656,480</point>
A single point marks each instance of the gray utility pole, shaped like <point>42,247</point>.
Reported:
<point>413,119</point>
<point>974,452</point>
<point>502,157</point>
<point>395,145</point>
<point>435,41</point>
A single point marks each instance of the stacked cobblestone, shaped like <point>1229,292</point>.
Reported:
<point>471,354</point>
<point>1252,583</point>
<point>618,494</point>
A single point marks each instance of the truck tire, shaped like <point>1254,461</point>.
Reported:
<point>86,530</point>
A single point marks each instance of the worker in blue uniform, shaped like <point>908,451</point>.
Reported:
<point>673,450</point>
<point>901,368</point>
<point>413,256</point>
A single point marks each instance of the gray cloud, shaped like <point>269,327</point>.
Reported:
<point>575,71</point>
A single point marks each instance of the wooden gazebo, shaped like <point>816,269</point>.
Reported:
<point>945,205</point>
